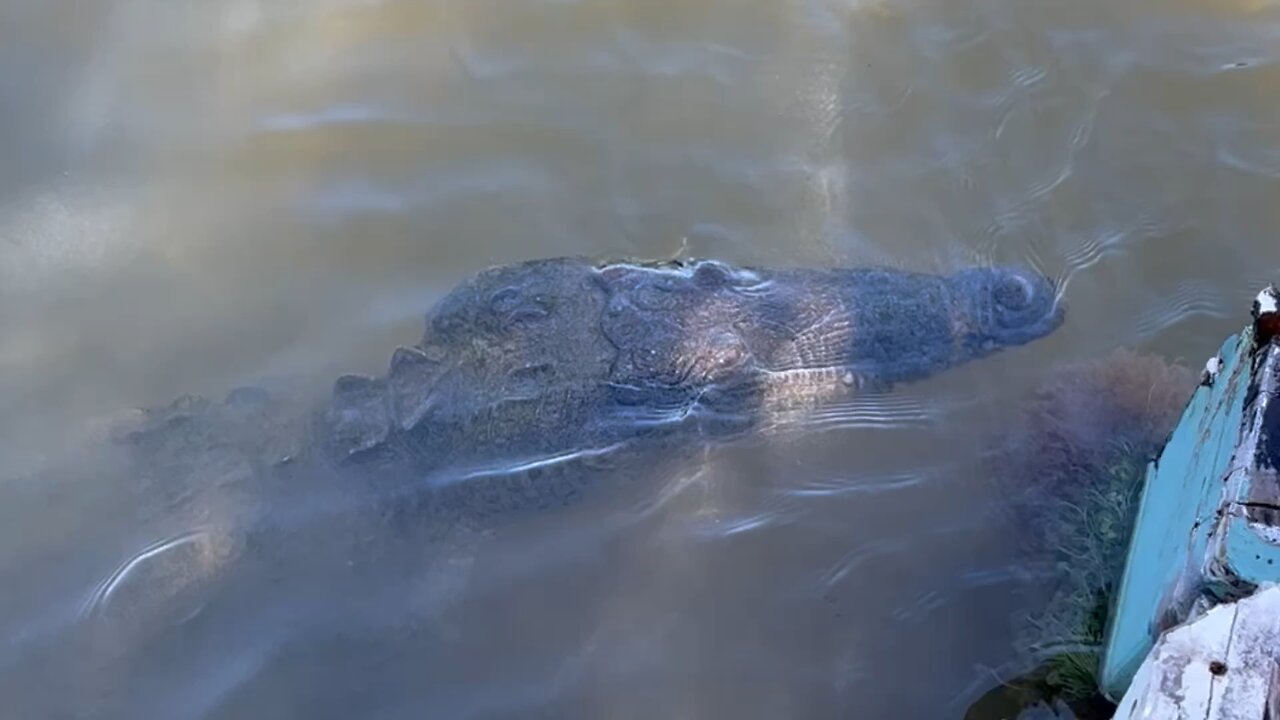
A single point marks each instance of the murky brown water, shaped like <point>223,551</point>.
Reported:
<point>200,195</point>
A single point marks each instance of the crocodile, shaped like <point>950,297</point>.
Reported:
<point>534,386</point>
<point>532,378</point>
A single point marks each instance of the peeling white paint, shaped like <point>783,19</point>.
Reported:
<point>1268,301</point>
<point>1211,370</point>
<point>1220,666</point>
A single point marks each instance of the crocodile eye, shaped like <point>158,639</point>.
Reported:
<point>710,275</point>
<point>505,300</point>
<point>1013,293</point>
<point>514,305</point>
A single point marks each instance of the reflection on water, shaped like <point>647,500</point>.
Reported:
<point>209,194</point>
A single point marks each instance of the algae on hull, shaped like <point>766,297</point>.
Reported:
<point>1073,462</point>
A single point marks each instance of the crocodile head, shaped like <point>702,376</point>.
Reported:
<point>566,353</point>
<point>707,324</point>
<point>1002,307</point>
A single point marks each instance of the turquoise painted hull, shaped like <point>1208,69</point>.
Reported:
<point>1208,524</point>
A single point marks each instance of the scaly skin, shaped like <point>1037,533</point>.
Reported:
<point>533,384</point>
<point>552,365</point>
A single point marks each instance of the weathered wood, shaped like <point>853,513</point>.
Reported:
<point>1245,547</point>
<point>1175,514</point>
<point>1222,666</point>
<point>1208,524</point>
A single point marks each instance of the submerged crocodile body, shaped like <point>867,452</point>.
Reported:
<point>528,367</point>
<point>219,542</point>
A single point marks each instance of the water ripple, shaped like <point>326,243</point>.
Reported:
<point>957,586</point>
<point>914,534</point>
<point>1190,299</point>
<point>884,412</point>
<point>350,114</point>
<point>854,558</point>
<point>1025,76</point>
<point>1254,160</point>
<point>184,554</point>
<point>719,529</point>
<point>839,486</point>
<point>1091,250</point>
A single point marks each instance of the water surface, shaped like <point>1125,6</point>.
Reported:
<point>201,195</point>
